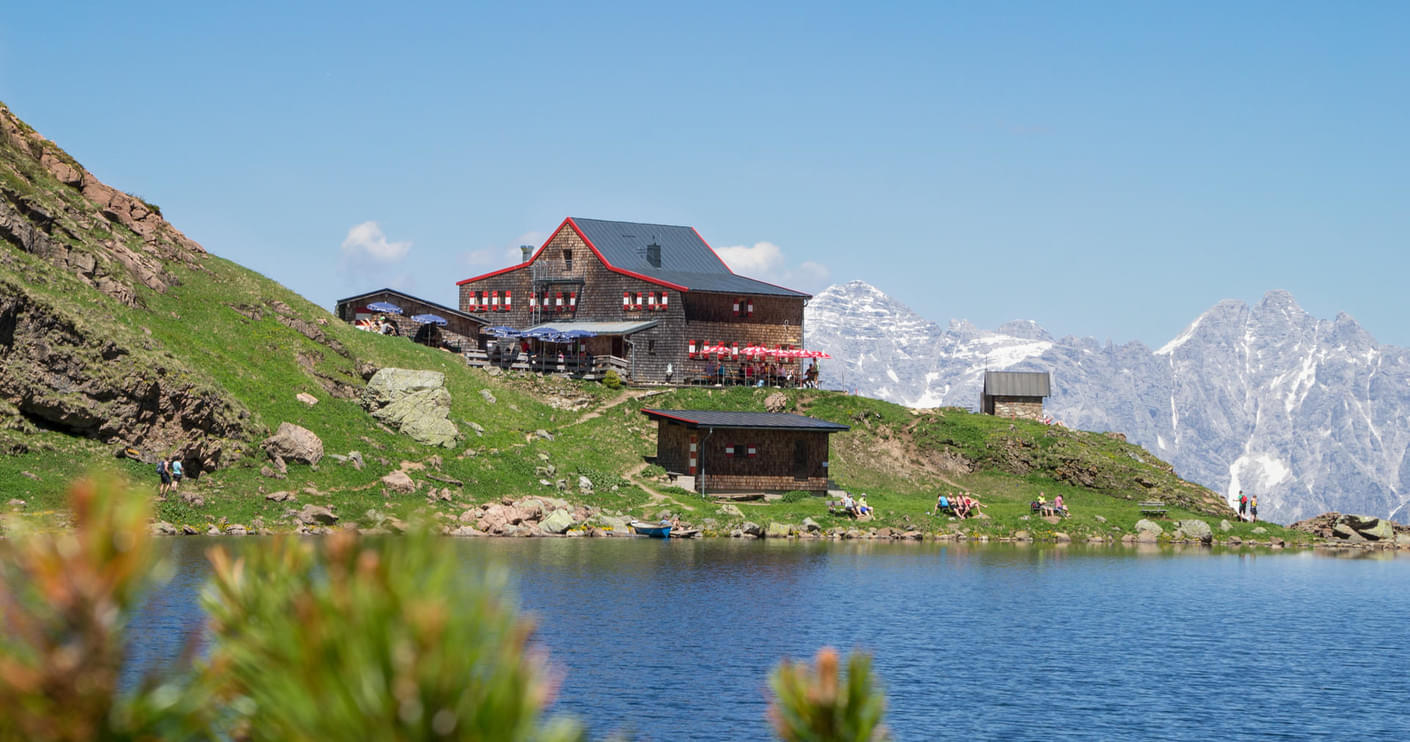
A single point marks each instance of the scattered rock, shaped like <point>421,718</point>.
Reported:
<point>415,402</point>
<point>463,532</point>
<point>190,531</point>
<point>1225,526</point>
<point>306,398</point>
<point>294,443</point>
<point>280,496</point>
<point>776,402</point>
<point>777,530</point>
<point>1147,526</point>
<point>544,434</point>
<point>316,515</point>
<point>399,482</point>
<point>811,526</point>
<point>16,502</point>
<point>163,528</point>
<point>731,509</point>
<point>30,475</point>
<point>1061,537</point>
<point>269,473</point>
<point>488,395</point>
<point>1260,530</point>
<point>750,528</point>
<point>1099,519</point>
<point>584,485</point>
<point>479,429</point>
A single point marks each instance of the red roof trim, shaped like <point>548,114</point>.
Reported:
<point>569,222</point>
<point>524,264</point>
<point>649,412</point>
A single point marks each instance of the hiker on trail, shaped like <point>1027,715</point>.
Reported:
<point>165,474</point>
<point>1253,507</point>
<point>176,473</point>
<point>1243,506</point>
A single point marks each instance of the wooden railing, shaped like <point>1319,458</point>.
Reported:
<point>586,367</point>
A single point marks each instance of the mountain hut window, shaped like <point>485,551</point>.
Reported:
<point>568,259</point>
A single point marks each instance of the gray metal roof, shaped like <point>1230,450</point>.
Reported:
<point>601,328</point>
<point>744,420</point>
<point>359,298</point>
<point>686,260</point>
<point>1018,383</point>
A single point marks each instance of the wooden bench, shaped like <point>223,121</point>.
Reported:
<point>1153,508</point>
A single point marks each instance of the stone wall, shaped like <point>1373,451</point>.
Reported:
<point>1027,408</point>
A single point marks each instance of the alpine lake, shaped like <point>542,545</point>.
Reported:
<point>669,640</point>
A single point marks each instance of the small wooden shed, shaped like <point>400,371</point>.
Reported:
<point>1015,393</point>
<point>733,452</point>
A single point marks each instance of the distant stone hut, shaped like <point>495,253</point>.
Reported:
<point>734,452</point>
<point>1017,394</point>
<point>460,332</point>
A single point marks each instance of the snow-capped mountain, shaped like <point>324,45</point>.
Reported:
<point>1310,414</point>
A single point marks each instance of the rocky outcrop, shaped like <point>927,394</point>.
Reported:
<point>1352,528</point>
<point>56,210</point>
<point>414,402</point>
<point>65,373</point>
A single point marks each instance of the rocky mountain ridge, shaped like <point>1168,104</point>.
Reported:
<point>1307,413</point>
<point>65,364</point>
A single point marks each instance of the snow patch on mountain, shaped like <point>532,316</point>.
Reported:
<point>1312,415</point>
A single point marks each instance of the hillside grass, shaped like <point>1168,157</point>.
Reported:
<point>200,333</point>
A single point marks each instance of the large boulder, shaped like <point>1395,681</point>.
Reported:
<point>391,384</point>
<point>415,402</point>
<point>557,521</point>
<point>1196,529</point>
<point>1373,529</point>
<point>1148,526</point>
<point>294,443</point>
<point>778,530</point>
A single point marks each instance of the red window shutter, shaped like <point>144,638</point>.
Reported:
<point>626,301</point>
<point>736,307</point>
<point>734,351</point>
<point>753,451</point>
<point>508,296</point>
<point>690,349</point>
<point>638,300</point>
<point>651,301</point>
<point>729,450</point>
<point>533,297</point>
<point>494,300</point>
<point>750,311</point>
<point>664,299</point>
<point>573,301</point>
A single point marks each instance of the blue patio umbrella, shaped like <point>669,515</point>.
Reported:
<point>429,319</point>
<point>384,306</point>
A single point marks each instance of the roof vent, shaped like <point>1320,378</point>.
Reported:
<point>653,254</point>
<point>525,251</point>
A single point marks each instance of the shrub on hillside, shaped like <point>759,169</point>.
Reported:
<point>611,379</point>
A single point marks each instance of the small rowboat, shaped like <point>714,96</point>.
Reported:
<point>654,530</point>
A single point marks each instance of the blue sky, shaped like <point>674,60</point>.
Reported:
<point>1131,163</point>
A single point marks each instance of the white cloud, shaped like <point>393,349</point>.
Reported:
<point>366,243</point>
<point>501,256</point>
<point>765,261</point>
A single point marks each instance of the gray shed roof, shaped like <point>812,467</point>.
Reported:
<point>686,260</point>
<point>744,420</point>
<point>601,328</point>
<point>1017,383</point>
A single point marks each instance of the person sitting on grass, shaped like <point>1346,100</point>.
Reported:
<point>960,507</point>
<point>1058,507</point>
<point>862,507</point>
<point>972,506</point>
<point>942,504</point>
<point>849,506</point>
<point>1043,508</point>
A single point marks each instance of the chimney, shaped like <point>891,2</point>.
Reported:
<point>526,251</point>
<point>653,255</point>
